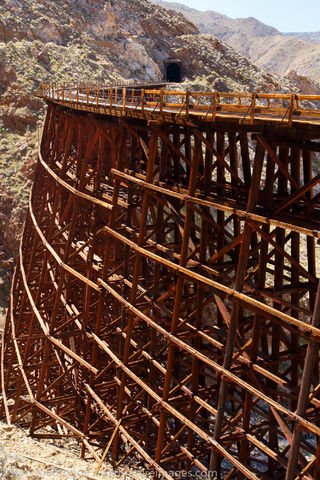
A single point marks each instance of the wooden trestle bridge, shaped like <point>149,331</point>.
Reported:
<point>165,301</point>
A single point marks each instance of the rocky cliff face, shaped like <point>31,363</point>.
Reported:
<point>96,41</point>
<point>266,46</point>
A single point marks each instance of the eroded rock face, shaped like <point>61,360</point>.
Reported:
<point>107,24</point>
<point>8,75</point>
<point>305,83</point>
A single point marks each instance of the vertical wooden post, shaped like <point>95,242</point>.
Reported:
<point>187,104</point>
<point>124,98</point>
<point>253,107</point>
<point>161,100</point>
<point>178,294</point>
<point>135,279</point>
<point>240,275</point>
<point>214,106</point>
<point>291,109</point>
<point>311,357</point>
<point>110,97</point>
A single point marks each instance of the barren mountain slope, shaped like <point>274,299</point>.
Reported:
<point>264,45</point>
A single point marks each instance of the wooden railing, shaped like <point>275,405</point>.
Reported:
<point>248,106</point>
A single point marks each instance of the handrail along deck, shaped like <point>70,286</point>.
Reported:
<point>248,107</point>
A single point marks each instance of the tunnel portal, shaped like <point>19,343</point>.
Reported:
<point>173,72</point>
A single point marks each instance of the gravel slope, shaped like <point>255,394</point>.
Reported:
<point>52,461</point>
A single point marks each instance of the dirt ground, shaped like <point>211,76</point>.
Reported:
<point>24,458</point>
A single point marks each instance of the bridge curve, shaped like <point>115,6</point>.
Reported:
<point>165,299</point>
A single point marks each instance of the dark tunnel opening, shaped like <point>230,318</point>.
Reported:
<point>173,72</point>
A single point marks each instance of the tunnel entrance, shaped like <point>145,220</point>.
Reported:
<point>173,72</point>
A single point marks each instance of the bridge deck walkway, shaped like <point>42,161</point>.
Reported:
<point>181,106</point>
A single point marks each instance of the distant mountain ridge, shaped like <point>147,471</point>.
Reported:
<point>309,36</point>
<point>272,50</point>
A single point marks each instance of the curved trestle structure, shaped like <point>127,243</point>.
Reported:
<point>165,294</point>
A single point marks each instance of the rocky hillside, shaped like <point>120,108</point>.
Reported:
<point>266,46</point>
<point>96,41</point>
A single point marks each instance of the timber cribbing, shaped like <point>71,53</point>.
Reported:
<point>165,302</point>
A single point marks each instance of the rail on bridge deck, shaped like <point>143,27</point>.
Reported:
<point>165,303</point>
<point>162,104</point>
